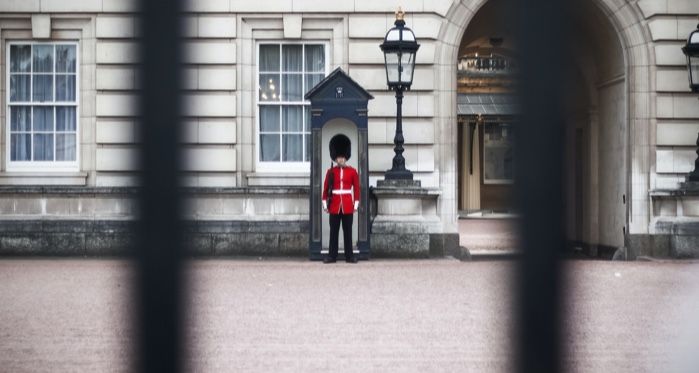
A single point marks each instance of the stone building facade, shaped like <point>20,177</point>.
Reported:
<point>70,131</point>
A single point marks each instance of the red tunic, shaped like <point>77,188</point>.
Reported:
<point>344,180</point>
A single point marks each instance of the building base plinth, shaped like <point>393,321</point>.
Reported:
<point>407,224</point>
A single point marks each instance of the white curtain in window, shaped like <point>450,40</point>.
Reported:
<point>20,119</point>
<point>65,58</point>
<point>269,118</point>
<point>269,148</point>
<point>292,61</point>
<point>293,148</point>
<point>293,119</point>
<point>315,59</point>
<point>269,58</point>
<point>43,118</point>
<point>20,133</point>
<point>292,58</point>
<point>43,58</point>
<point>21,147</point>
<point>42,88</point>
<point>65,136</point>
<point>291,87</point>
<point>65,88</point>
<point>19,87</point>
<point>43,147</point>
<point>65,118</point>
<point>20,58</point>
<point>65,147</point>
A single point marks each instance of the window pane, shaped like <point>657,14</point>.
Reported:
<point>43,58</point>
<point>20,58</point>
<point>292,119</point>
<point>292,90</point>
<point>21,147</point>
<point>269,58</point>
<point>65,118</point>
<point>43,147</point>
<point>65,58</point>
<point>269,87</point>
<point>269,148</point>
<point>408,64</point>
<point>392,67</point>
<point>498,161</point>
<point>291,58</point>
<point>19,87</point>
<point>293,148</point>
<point>20,118</point>
<point>307,119</point>
<point>65,147</point>
<point>65,87</point>
<point>42,88</point>
<point>43,118</point>
<point>312,80</point>
<point>269,118</point>
<point>315,58</point>
<point>308,148</point>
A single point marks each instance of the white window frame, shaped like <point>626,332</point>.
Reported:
<point>281,167</point>
<point>494,181</point>
<point>43,166</point>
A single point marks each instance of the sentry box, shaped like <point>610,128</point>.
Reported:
<point>338,108</point>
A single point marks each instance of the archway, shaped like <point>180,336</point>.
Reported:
<point>607,74</point>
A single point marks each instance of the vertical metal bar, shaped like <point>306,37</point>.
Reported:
<point>159,230</point>
<point>540,26</point>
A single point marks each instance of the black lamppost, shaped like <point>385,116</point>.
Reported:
<point>399,48</point>
<point>691,50</point>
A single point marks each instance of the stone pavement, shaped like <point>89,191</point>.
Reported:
<point>61,315</point>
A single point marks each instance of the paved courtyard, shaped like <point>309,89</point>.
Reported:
<point>72,315</point>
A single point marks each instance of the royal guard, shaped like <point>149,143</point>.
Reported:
<point>341,197</point>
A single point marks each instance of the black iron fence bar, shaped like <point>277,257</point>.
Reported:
<point>540,29</point>
<point>159,242</point>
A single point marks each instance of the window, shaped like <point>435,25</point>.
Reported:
<point>498,163</point>
<point>42,106</point>
<point>286,73</point>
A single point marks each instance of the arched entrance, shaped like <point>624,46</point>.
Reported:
<point>608,81</point>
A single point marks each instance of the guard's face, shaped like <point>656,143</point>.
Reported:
<point>340,160</point>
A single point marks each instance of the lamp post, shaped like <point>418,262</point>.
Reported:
<point>691,50</point>
<point>399,48</point>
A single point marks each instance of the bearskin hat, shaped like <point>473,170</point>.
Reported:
<point>340,145</point>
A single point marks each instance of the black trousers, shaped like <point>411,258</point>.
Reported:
<point>346,220</point>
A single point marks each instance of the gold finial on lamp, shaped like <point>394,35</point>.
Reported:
<point>400,14</point>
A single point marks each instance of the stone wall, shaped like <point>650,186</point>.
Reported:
<point>676,119</point>
<point>98,221</point>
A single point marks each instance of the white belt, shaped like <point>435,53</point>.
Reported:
<point>342,191</point>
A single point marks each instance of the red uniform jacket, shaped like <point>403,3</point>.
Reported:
<point>344,180</point>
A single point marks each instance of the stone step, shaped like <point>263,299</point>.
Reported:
<point>489,254</point>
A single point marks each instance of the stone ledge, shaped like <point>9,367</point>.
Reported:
<point>261,179</point>
<point>203,238</point>
<point>43,178</point>
<point>83,190</point>
<point>389,191</point>
<point>116,238</point>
